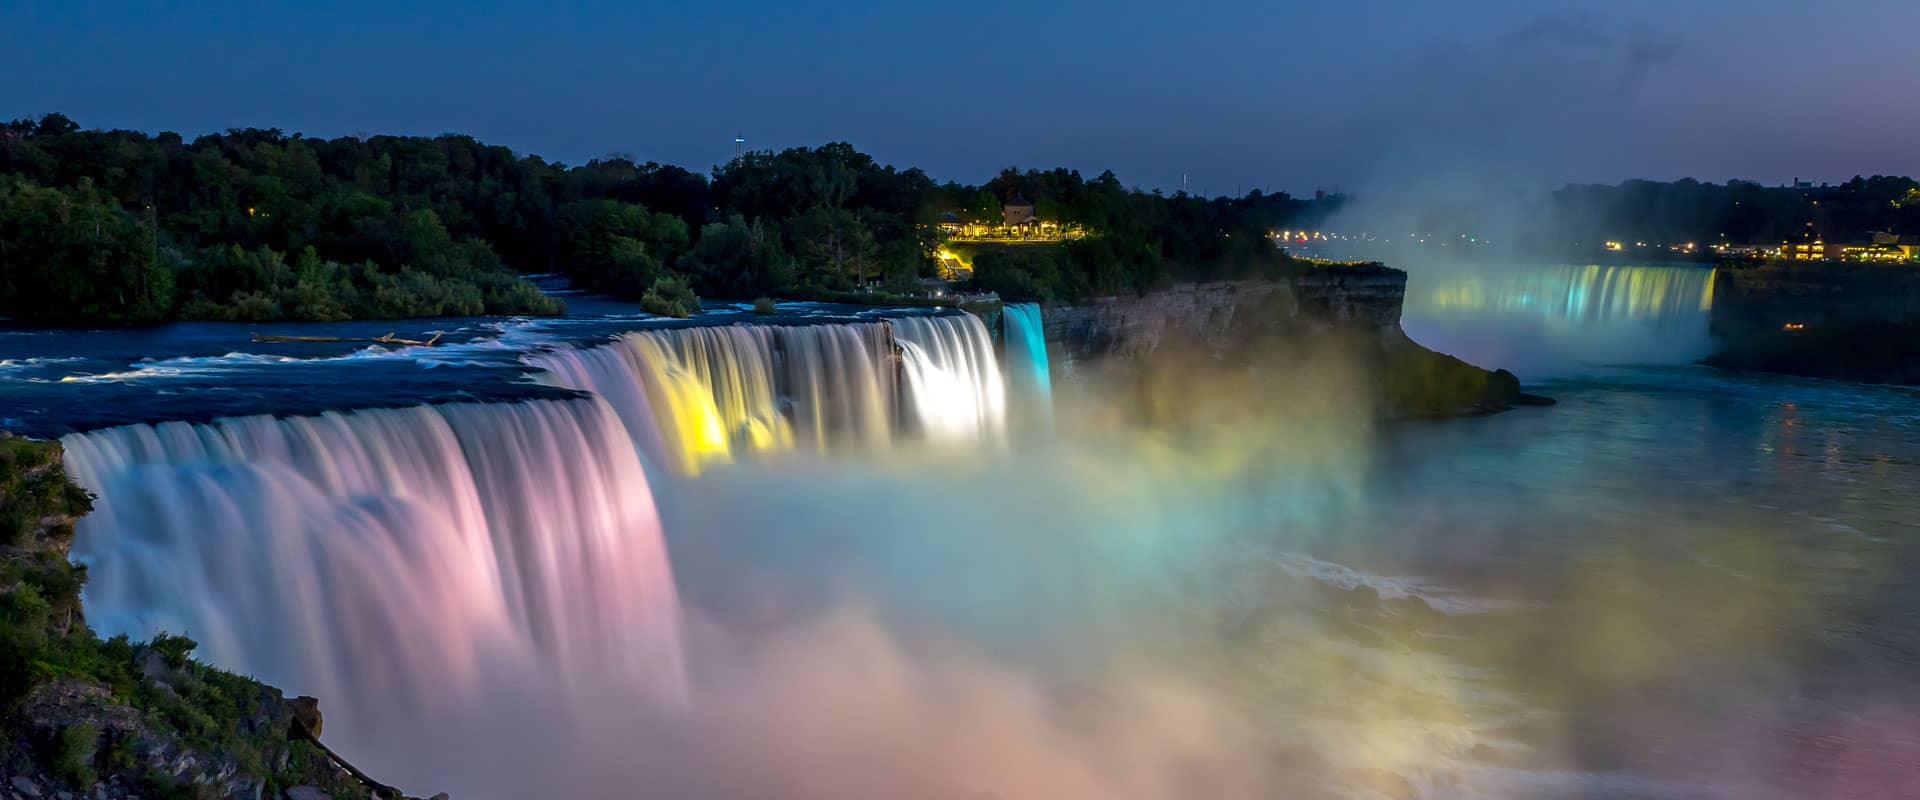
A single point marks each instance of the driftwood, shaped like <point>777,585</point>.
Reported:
<point>306,724</point>
<point>386,339</point>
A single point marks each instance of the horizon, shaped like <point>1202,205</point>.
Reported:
<point>1228,98</point>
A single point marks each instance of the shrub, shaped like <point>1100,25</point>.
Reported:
<point>174,649</point>
<point>74,761</point>
<point>670,297</point>
<point>764,305</point>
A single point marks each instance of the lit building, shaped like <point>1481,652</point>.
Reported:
<point>1875,252</point>
<point>1018,225</point>
<point>1019,211</point>
<point>1815,250</point>
<point>1907,244</point>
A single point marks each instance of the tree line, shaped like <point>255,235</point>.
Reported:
<point>257,224</point>
<point>1736,212</point>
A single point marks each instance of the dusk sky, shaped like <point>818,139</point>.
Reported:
<point>1280,95</point>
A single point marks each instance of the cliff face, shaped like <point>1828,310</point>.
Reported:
<point>1360,302</point>
<point>1847,321</point>
<point>1225,313</point>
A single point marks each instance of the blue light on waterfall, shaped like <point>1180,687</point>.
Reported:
<point>1029,374</point>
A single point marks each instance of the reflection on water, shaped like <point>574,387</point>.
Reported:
<point>1541,321</point>
<point>1705,582</point>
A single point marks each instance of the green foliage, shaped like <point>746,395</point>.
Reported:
<point>174,649</point>
<point>32,489</point>
<point>73,760</point>
<point>618,248</point>
<point>118,226</point>
<point>670,297</point>
<point>737,258</point>
<point>764,305</point>
<point>257,225</point>
<point>76,253</point>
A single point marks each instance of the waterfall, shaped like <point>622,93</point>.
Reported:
<point>696,396</point>
<point>693,396</point>
<point>953,384</point>
<point>1029,376</point>
<point>1538,320</point>
<point>386,559</point>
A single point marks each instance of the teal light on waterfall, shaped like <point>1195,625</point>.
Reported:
<point>1029,374</point>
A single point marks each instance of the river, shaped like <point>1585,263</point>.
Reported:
<point>732,568</point>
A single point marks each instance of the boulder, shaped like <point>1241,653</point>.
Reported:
<point>306,712</point>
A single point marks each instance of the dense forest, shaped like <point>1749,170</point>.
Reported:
<point>1737,212</point>
<point>260,225</point>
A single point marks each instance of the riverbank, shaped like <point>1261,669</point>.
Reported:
<point>114,718</point>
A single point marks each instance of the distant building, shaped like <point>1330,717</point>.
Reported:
<point>1884,247</point>
<point>1019,211</point>
<point>1815,250</point>
<point>1872,252</point>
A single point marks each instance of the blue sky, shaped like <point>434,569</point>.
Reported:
<point>1283,95</point>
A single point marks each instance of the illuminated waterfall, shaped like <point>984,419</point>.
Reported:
<point>1589,294</point>
<point>1029,376</point>
<point>386,559</point>
<point>1543,319</point>
<point>953,383</point>
<point>693,396</point>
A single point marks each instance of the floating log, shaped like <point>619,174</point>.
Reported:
<point>383,339</point>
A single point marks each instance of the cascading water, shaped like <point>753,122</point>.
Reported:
<point>1541,320</point>
<point>953,380</point>
<point>1029,376</point>
<point>477,564</point>
<point>387,559</point>
<point>693,396</point>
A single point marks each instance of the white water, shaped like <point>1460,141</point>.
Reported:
<point>387,559</point>
<point>695,396</point>
<point>953,384</point>
<point>396,559</point>
<point>1556,320</point>
<point>698,396</point>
